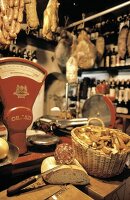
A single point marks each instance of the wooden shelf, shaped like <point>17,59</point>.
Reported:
<point>123,116</point>
<point>110,70</point>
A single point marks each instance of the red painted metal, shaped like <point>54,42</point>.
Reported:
<point>17,114</point>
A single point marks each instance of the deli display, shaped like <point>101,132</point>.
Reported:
<point>64,100</point>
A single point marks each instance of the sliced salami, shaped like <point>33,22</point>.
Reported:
<point>64,154</point>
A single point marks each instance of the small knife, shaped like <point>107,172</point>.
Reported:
<point>14,189</point>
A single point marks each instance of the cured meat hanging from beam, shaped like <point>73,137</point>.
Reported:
<point>31,15</point>
<point>50,19</point>
<point>11,17</point>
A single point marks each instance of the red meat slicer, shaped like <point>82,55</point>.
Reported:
<point>20,82</point>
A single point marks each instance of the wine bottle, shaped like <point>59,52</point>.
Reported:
<point>93,86</point>
<point>29,55</point>
<point>24,54</point>
<point>126,97</point>
<point>116,92</point>
<point>112,92</point>
<point>113,57</point>
<point>19,52</point>
<point>119,103</point>
<point>34,57</point>
<point>13,52</point>
<point>84,88</point>
<point>107,58</point>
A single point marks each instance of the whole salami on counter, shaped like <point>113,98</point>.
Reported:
<point>64,154</point>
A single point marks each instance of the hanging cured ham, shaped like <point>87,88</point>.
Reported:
<point>85,51</point>
<point>64,47</point>
<point>122,41</point>
<point>128,43</point>
<point>50,19</point>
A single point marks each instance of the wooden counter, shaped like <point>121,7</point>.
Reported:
<point>116,188</point>
<point>112,189</point>
<point>68,192</point>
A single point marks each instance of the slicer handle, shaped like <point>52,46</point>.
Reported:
<point>14,189</point>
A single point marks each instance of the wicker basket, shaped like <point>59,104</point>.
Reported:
<point>95,162</point>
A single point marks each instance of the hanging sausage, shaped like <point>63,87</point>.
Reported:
<point>31,15</point>
<point>11,16</point>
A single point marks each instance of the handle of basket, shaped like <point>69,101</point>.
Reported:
<point>95,118</point>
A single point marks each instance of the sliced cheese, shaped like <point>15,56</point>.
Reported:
<point>73,174</point>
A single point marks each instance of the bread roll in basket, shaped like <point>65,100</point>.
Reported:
<point>101,151</point>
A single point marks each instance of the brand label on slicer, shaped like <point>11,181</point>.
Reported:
<point>21,117</point>
<point>21,91</point>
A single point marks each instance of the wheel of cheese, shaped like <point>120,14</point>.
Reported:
<point>64,154</point>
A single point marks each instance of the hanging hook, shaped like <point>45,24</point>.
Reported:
<point>66,20</point>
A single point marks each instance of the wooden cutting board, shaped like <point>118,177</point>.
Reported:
<point>68,192</point>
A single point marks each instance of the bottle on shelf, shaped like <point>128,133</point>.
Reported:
<point>29,55</point>
<point>114,57</point>
<point>122,105</point>
<point>112,91</point>
<point>84,88</point>
<point>13,52</point>
<point>19,52</point>
<point>34,57</point>
<point>89,89</point>
<point>93,86</point>
<point>24,54</point>
<point>119,106</point>
<point>108,57</point>
<point>92,34</point>
<point>126,97</point>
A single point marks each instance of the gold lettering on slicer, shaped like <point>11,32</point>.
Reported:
<point>21,91</point>
<point>21,117</point>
